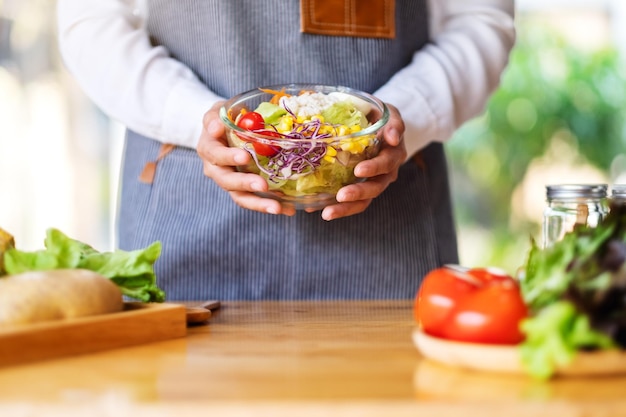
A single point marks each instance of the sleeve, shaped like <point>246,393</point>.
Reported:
<point>105,47</point>
<point>450,79</point>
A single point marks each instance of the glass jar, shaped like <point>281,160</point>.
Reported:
<point>572,205</point>
<point>618,194</point>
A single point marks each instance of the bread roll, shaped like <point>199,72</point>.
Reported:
<point>58,294</point>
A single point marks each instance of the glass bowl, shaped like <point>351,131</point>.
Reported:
<point>305,139</point>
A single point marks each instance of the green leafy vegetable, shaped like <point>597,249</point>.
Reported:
<point>551,271</point>
<point>344,113</point>
<point>132,271</point>
<point>554,336</point>
<point>576,293</point>
<point>271,112</point>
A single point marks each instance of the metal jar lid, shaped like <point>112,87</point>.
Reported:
<point>618,190</point>
<point>572,191</point>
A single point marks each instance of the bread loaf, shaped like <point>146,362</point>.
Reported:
<point>54,295</point>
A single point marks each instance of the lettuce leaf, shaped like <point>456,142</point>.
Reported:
<point>576,293</point>
<point>132,271</point>
<point>344,113</point>
<point>554,336</point>
<point>549,272</point>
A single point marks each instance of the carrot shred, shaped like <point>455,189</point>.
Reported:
<point>277,94</point>
<point>241,113</point>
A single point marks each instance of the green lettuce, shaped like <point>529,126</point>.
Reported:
<point>344,113</point>
<point>271,112</point>
<point>576,293</point>
<point>554,336</point>
<point>132,271</point>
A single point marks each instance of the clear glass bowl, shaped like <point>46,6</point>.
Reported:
<point>305,167</point>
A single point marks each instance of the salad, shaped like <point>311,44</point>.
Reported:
<point>306,143</point>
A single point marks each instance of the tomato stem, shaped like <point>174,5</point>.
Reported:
<point>461,273</point>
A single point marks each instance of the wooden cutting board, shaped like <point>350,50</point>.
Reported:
<point>139,323</point>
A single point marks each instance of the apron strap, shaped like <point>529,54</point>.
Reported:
<point>149,170</point>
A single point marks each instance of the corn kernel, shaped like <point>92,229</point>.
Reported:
<point>325,129</point>
<point>328,158</point>
<point>355,146</point>
<point>348,146</point>
<point>343,130</point>
<point>285,125</point>
<point>318,117</point>
<point>330,151</point>
<point>355,128</point>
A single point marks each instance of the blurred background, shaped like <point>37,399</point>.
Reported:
<point>558,117</point>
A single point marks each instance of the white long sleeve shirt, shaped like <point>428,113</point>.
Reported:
<point>447,82</point>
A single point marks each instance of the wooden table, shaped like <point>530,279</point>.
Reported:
<point>291,359</point>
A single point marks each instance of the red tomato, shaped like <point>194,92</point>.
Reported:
<point>264,148</point>
<point>489,274</point>
<point>251,121</point>
<point>480,305</point>
<point>436,299</point>
<point>254,122</point>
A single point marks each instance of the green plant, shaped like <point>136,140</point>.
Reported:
<point>550,89</point>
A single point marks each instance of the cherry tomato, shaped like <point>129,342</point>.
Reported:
<point>264,148</point>
<point>254,122</point>
<point>479,305</point>
<point>251,121</point>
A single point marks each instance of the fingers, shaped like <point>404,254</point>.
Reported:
<point>387,161</point>
<point>372,188</point>
<point>337,211</point>
<point>380,171</point>
<point>213,148</point>
<point>355,198</point>
<point>394,129</point>
<point>265,205</point>
<point>230,179</point>
<point>220,162</point>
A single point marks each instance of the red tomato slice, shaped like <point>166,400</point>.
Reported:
<point>480,306</point>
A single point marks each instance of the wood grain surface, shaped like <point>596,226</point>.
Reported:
<point>138,323</point>
<point>332,358</point>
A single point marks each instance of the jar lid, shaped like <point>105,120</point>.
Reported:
<point>618,190</point>
<point>576,191</point>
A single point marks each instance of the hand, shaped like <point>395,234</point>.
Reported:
<point>379,171</point>
<point>220,161</point>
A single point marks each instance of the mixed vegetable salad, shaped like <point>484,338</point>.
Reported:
<point>306,143</point>
<point>570,297</point>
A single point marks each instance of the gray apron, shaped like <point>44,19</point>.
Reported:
<point>212,248</point>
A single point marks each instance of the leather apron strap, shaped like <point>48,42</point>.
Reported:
<point>149,170</point>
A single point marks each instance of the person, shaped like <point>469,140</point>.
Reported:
<point>163,69</point>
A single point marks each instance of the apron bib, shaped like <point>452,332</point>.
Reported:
<point>212,248</point>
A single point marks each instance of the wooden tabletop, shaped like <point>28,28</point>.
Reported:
<point>343,358</point>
